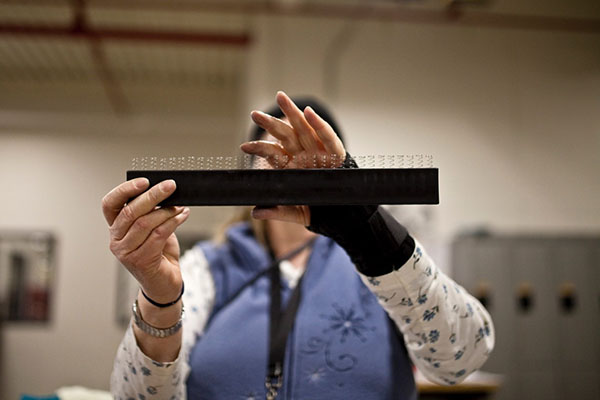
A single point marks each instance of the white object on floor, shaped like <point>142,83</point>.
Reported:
<point>81,393</point>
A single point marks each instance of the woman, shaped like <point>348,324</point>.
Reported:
<point>304,326</point>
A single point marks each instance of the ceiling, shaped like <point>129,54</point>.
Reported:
<point>84,57</point>
<point>178,57</point>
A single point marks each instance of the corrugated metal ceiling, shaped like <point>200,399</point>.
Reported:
<point>100,55</point>
<point>49,56</point>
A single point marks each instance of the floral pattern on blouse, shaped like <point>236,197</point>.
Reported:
<point>448,333</point>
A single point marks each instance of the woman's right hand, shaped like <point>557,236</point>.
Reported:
<point>142,235</point>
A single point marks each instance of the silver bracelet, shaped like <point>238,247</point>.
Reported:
<point>151,330</point>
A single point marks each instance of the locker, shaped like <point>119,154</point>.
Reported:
<point>482,265</point>
<point>543,294</point>
<point>579,384</point>
<point>535,316</point>
<point>577,310</point>
<point>536,384</point>
<point>493,262</point>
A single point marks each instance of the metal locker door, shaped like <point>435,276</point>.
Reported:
<point>578,318</point>
<point>492,258</point>
<point>575,303</point>
<point>492,287</point>
<point>535,319</point>
<point>482,266</point>
<point>595,267</point>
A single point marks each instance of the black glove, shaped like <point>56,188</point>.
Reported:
<point>376,243</point>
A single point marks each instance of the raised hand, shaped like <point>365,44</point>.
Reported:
<point>303,140</point>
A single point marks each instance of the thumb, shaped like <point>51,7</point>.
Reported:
<point>295,214</point>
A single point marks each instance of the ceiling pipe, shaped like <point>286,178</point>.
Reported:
<point>80,29</point>
<point>66,32</point>
<point>114,93</point>
<point>454,15</point>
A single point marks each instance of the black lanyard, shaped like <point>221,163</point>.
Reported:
<point>281,323</point>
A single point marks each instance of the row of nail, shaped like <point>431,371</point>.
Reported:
<point>279,162</point>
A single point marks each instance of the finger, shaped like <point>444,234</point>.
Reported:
<point>273,153</point>
<point>141,205</point>
<point>143,226</point>
<point>114,201</point>
<point>296,214</point>
<point>156,241</point>
<point>332,143</point>
<point>306,136</point>
<point>279,129</point>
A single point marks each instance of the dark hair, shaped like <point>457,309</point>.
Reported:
<point>302,103</point>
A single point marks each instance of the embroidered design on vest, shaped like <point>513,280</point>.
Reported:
<point>344,323</point>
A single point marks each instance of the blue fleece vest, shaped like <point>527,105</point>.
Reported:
<point>342,345</point>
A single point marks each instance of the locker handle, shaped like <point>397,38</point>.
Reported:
<point>567,297</point>
<point>483,294</point>
<point>525,297</point>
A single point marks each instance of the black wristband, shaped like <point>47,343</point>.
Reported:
<point>154,303</point>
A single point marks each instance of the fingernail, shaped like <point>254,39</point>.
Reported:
<point>259,116</point>
<point>167,186</point>
<point>281,97</point>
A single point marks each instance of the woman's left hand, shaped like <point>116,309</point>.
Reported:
<point>303,140</point>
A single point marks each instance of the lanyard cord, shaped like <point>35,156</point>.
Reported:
<point>272,266</point>
<point>281,323</point>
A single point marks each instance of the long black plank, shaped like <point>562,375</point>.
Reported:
<point>298,186</point>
